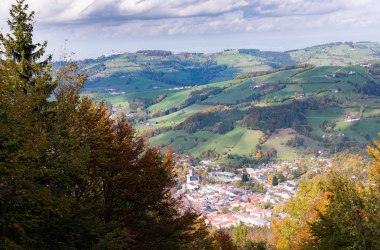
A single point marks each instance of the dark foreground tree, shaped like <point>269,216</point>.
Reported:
<point>72,178</point>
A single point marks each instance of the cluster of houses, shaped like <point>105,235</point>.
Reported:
<point>333,75</point>
<point>333,136</point>
<point>114,91</point>
<point>226,205</point>
<point>256,86</point>
<point>233,219</point>
<point>183,87</point>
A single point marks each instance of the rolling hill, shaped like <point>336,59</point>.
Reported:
<point>246,106</point>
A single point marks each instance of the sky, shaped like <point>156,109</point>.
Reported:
<point>90,28</point>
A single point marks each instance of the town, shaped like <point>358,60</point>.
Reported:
<point>247,195</point>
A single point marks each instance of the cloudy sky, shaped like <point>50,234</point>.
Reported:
<point>94,27</point>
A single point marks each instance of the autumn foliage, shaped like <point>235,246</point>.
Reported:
<point>335,210</point>
<point>70,177</point>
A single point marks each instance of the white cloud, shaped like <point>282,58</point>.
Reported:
<point>217,12</point>
<point>118,19</point>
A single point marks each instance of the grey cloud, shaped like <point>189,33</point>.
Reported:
<point>85,11</point>
<point>154,17</point>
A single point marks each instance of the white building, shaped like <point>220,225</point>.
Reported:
<point>192,179</point>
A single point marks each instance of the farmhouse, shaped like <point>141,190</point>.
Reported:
<point>298,96</point>
<point>352,117</point>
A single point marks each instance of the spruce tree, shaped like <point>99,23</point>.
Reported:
<point>19,47</point>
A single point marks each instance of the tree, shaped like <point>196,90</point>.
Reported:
<point>258,155</point>
<point>222,240</point>
<point>255,245</point>
<point>24,201</point>
<point>344,224</point>
<point>240,235</point>
<point>272,180</point>
<point>293,232</point>
<point>244,177</point>
<point>374,170</point>
<point>72,178</point>
<point>280,177</point>
<point>351,216</point>
<point>333,210</point>
<point>20,48</point>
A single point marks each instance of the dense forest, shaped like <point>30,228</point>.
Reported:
<point>271,118</point>
<point>223,119</point>
<point>218,120</point>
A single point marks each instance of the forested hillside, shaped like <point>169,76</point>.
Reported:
<point>327,94</point>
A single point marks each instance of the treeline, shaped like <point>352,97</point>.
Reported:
<point>375,69</point>
<point>195,96</point>
<point>295,142</point>
<point>322,102</point>
<point>154,52</point>
<point>224,119</point>
<point>370,88</point>
<point>267,89</point>
<point>144,103</point>
<point>275,117</point>
<point>160,77</point>
<point>302,67</point>
<point>205,73</point>
<point>257,156</point>
<point>197,72</point>
<point>217,120</point>
<point>274,59</point>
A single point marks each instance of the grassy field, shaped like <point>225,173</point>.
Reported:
<point>238,141</point>
<point>338,54</point>
<point>316,117</point>
<point>316,75</point>
<point>370,126</point>
<point>179,116</point>
<point>165,138</point>
<point>368,113</point>
<point>243,62</point>
<point>346,129</point>
<point>230,96</point>
<point>278,141</point>
<point>125,84</point>
<point>247,142</point>
<point>172,101</point>
<point>118,79</point>
<point>275,77</point>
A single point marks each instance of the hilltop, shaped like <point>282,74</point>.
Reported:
<point>245,105</point>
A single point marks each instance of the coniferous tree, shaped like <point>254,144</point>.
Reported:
<point>27,55</point>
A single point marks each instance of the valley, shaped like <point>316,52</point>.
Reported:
<point>245,106</point>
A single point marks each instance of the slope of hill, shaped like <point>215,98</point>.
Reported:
<point>217,106</point>
<point>338,54</point>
